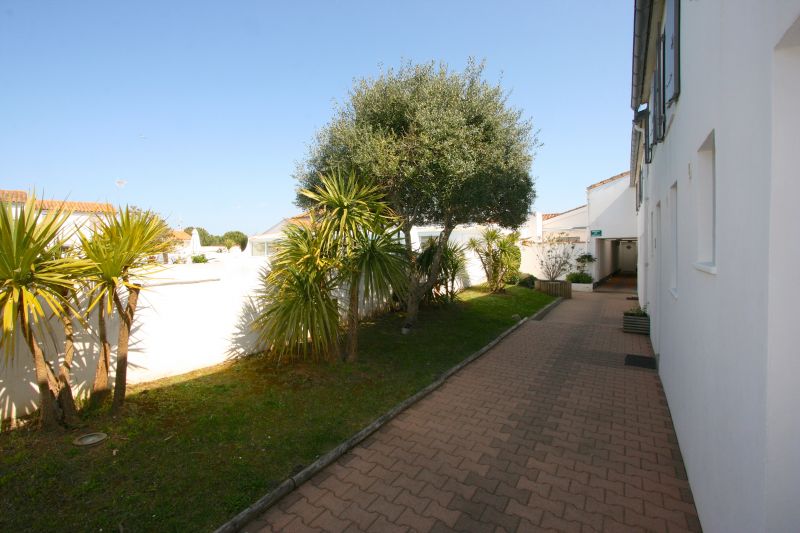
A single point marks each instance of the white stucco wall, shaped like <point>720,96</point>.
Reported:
<point>460,235</point>
<point>610,208</point>
<point>189,317</point>
<point>724,333</point>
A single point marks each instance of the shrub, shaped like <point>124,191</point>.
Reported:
<point>452,275</point>
<point>636,311</point>
<point>499,256</point>
<point>579,277</point>
<point>583,261</point>
<point>200,258</point>
<point>556,255</point>
<point>527,280</point>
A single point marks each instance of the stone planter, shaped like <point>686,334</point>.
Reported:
<point>636,324</point>
<point>554,288</point>
<point>583,287</point>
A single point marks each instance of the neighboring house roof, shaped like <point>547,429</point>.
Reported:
<point>13,196</point>
<point>609,180</point>
<point>303,218</point>
<point>80,207</point>
<point>181,235</point>
<point>548,216</point>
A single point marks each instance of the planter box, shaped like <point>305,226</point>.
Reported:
<point>554,288</point>
<point>636,324</point>
<point>583,287</point>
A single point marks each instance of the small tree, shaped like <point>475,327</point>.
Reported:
<point>35,277</point>
<point>119,249</point>
<point>499,256</point>
<point>237,237</point>
<point>444,147</point>
<point>556,255</point>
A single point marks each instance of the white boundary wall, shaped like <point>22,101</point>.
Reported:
<point>190,317</point>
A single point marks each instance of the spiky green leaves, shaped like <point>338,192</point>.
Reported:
<point>349,242</point>
<point>34,273</point>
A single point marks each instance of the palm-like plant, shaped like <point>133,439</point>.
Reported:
<point>497,253</point>
<point>122,246</point>
<point>299,316</point>
<point>452,269</point>
<point>360,231</point>
<point>34,276</point>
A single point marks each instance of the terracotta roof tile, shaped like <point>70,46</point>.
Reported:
<point>80,207</point>
<point>609,180</point>
<point>548,216</point>
<point>181,235</point>
<point>13,196</point>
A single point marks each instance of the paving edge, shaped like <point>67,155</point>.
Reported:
<point>236,523</point>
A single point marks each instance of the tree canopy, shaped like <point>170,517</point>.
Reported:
<point>444,145</point>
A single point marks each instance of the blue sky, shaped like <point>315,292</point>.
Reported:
<point>203,108</point>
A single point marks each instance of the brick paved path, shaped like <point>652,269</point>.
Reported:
<point>548,431</point>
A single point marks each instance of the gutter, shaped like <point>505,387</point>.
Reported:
<point>642,15</point>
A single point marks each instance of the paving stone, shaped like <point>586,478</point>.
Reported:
<point>548,430</point>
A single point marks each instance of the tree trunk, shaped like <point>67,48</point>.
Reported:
<point>418,288</point>
<point>100,388</point>
<point>49,415</point>
<point>65,398</point>
<point>352,321</point>
<point>125,327</point>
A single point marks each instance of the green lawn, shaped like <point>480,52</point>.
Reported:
<point>192,451</point>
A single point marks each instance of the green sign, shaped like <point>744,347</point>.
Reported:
<point>597,233</point>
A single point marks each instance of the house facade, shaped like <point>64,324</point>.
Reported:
<point>714,91</point>
<point>605,227</point>
<point>82,215</point>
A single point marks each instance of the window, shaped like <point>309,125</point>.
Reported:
<point>672,33</point>
<point>704,185</point>
<point>673,220</point>
<point>260,248</point>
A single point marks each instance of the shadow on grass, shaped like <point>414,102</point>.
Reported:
<point>191,451</point>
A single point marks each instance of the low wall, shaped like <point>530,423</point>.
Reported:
<point>190,316</point>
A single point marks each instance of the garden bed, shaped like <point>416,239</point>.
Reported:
<point>192,451</point>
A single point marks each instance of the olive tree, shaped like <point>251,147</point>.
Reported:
<point>445,147</point>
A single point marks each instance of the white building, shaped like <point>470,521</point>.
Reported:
<point>83,215</point>
<point>611,226</point>
<point>605,227</point>
<point>715,91</point>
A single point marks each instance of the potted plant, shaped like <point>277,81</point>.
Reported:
<point>636,320</point>
<point>581,281</point>
<point>556,254</point>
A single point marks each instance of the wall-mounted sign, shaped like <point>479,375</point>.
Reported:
<point>597,233</point>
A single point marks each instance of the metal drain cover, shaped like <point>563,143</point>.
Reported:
<point>90,439</point>
<point>641,361</point>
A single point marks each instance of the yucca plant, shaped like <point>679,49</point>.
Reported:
<point>299,317</point>
<point>122,246</point>
<point>35,277</point>
<point>360,232</point>
<point>498,254</point>
<point>452,269</point>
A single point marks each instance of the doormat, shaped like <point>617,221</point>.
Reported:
<point>641,361</point>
